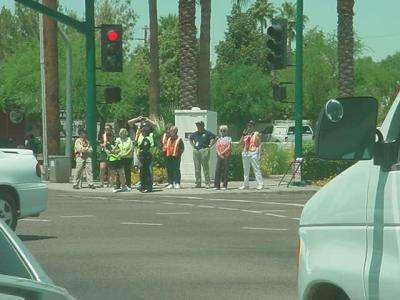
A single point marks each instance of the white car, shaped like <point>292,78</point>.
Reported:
<point>21,276</point>
<point>22,193</point>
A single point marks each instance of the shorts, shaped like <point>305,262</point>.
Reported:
<point>114,165</point>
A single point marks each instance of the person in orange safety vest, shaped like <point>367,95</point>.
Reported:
<point>174,150</point>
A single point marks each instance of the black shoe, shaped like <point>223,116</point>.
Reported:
<point>75,187</point>
<point>91,186</point>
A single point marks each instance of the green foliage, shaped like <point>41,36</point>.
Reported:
<point>275,159</point>
<point>241,93</point>
<point>317,169</point>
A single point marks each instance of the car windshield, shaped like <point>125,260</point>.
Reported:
<point>11,263</point>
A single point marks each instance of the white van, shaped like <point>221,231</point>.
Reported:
<point>349,235</point>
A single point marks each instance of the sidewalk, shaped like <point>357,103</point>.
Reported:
<point>187,187</point>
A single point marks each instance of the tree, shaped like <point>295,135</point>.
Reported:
<point>345,47</point>
<point>204,60</point>
<point>50,33</point>
<point>243,43</point>
<point>154,101</point>
<point>187,54</point>
<point>262,10</point>
<point>239,4</point>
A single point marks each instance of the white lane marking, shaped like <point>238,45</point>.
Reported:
<point>35,220</point>
<point>184,204</point>
<point>174,213</point>
<point>251,211</point>
<point>81,216</point>
<point>205,206</point>
<point>131,200</point>
<point>228,208</point>
<point>144,224</point>
<point>273,210</point>
<point>261,228</point>
<point>258,202</point>
<point>183,197</point>
<point>276,215</point>
<point>98,197</point>
<point>298,219</point>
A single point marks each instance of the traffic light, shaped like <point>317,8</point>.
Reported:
<point>279,92</point>
<point>112,94</point>
<point>111,48</point>
<point>277,44</point>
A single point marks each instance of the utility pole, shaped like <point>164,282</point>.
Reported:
<point>44,110</point>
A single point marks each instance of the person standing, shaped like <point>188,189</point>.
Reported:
<point>115,167</point>
<point>164,142</point>
<point>83,151</point>
<point>223,148</point>
<point>201,141</point>
<point>124,143</point>
<point>175,148</point>
<point>251,155</point>
<point>106,142</point>
<point>145,160</point>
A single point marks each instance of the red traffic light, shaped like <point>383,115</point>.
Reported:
<point>112,36</point>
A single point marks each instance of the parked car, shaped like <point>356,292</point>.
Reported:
<point>284,131</point>
<point>21,277</point>
<point>349,234</point>
<point>22,193</point>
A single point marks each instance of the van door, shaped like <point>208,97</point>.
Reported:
<point>382,266</point>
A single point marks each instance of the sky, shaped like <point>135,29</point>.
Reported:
<point>375,22</point>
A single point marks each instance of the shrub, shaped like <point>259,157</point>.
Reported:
<point>159,175</point>
<point>318,169</point>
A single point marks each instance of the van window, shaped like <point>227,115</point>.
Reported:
<point>307,130</point>
<point>291,130</point>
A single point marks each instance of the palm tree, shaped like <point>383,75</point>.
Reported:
<point>204,63</point>
<point>50,33</point>
<point>154,99</point>
<point>262,10</point>
<point>345,47</point>
<point>240,3</point>
<point>187,54</point>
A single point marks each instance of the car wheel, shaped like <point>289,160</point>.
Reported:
<point>8,209</point>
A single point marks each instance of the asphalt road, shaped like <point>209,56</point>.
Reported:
<point>224,245</point>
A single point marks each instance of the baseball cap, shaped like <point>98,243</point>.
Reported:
<point>200,123</point>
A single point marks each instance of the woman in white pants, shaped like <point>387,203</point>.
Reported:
<point>251,154</point>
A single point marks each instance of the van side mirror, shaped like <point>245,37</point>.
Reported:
<point>346,129</point>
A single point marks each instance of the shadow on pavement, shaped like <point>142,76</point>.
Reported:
<point>27,238</point>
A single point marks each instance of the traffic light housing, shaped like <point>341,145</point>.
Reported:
<point>112,94</point>
<point>277,44</point>
<point>111,48</point>
<point>279,92</point>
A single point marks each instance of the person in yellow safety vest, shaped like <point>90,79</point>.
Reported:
<point>251,155</point>
<point>174,150</point>
<point>124,143</point>
<point>115,167</point>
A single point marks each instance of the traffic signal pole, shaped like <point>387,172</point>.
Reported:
<point>299,82</point>
<point>91,110</point>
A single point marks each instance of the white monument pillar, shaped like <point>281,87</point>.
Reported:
<point>185,121</point>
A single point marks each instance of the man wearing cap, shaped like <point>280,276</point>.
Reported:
<point>202,140</point>
<point>83,151</point>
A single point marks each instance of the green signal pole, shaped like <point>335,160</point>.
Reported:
<point>299,82</point>
<point>91,120</point>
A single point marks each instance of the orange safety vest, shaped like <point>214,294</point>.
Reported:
<point>254,142</point>
<point>164,143</point>
<point>173,147</point>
